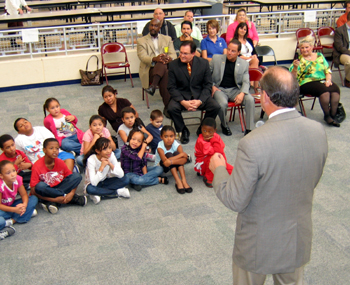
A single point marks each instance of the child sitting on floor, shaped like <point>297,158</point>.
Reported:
<point>19,159</point>
<point>131,122</point>
<point>208,143</point>
<point>52,182</point>
<point>171,156</point>
<point>103,174</point>
<point>134,163</point>
<point>97,130</point>
<point>63,125</point>
<point>154,128</point>
<point>13,211</point>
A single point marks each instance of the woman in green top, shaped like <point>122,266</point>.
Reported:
<point>315,78</point>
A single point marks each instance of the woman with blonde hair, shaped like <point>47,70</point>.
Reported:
<point>315,78</point>
<point>241,17</point>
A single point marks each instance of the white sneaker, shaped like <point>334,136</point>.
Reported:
<point>123,192</point>
<point>35,212</point>
<point>95,199</point>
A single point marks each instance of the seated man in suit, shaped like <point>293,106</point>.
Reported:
<point>196,32</point>
<point>231,83</point>
<point>166,28</point>
<point>155,51</point>
<point>341,52</point>
<point>190,86</point>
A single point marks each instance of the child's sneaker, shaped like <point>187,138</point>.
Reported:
<point>189,158</point>
<point>76,169</point>
<point>51,208</point>
<point>123,192</point>
<point>35,213</point>
<point>78,200</point>
<point>207,183</point>
<point>151,157</point>
<point>6,232</point>
<point>95,199</point>
<point>136,187</point>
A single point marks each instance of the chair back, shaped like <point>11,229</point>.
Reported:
<point>304,32</point>
<point>223,36</point>
<point>326,36</point>
<point>266,51</point>
<point>255,74</point>
<point>110,48</point>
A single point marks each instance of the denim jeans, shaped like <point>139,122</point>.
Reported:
<point>32,201</point>
<point>66,186</point>
<point>80,158</point>
<point>148,179</point>
<point>109,186</point>
<point>71,144</point>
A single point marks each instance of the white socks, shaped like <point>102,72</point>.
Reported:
<point>8,223</point>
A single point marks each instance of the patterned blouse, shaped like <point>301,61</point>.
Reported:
<point>309,71</point>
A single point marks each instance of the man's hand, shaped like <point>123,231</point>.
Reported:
<point>186,104</point>
<point>216,160</point>
<point>213,90</point>
<point>239,98</point>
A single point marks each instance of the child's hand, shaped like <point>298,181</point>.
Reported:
<point>104,162</point>
<point>19,160</point>
<point>20,209</point>
<point>68,197</point>
<point>167,163</point>
<point>97,136</point>
<point>70,118</point>
<point>148,140</point>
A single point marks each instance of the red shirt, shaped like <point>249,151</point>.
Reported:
<point>52,177</point>
<point>13,159</point>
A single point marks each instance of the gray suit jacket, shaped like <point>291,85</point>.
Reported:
<point>277,168</point>
<point>146,51</point>
<point>217,67</point>
<point>341,44</point>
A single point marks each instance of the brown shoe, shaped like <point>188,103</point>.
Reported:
<point>347,83</point>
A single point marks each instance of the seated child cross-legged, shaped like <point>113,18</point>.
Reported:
<point>131,122</point>
<point>104,175</point>
<point>19,159</point>
<point>171,156</point>
<point>97,130</point>
<point>208,143</point>
<point>52,182</point>
<point>13,211</point>
<point>134,163</point>
<point>154,128</point>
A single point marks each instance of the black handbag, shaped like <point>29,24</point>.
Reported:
<point>340,115</point>
<point>91,77</point>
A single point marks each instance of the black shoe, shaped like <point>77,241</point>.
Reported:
<point>247,132</point>
<point>185,136</point>
<point>207,183</point>
<point>150,90</point>
<point>165,112</point>
<point>188,190</point>
<point>181,190</point>
<point>136,187</point>
<point>199,131</point>
<point>78,200</point>
<point>346,83</point>
<point>226,130</point>
<point>331,122</point>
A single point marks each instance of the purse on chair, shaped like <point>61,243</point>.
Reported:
<point>91,77</point>
<point>340,115</point>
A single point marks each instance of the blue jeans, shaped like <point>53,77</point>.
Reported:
<point>66,186</point>
<point>108,186</point>
<point>148,179</point>
<point>32,201</point>
<point>71,144</point>
<point>80,158</point>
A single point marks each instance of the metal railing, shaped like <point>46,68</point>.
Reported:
<point>64,40</point>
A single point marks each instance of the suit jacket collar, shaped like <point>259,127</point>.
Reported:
<point>284,116</point>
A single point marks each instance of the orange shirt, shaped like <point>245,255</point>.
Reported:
<point>342,20</point>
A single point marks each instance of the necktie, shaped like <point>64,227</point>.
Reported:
<point>189,69</point>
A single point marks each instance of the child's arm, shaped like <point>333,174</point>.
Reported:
<point>149,136</point>
<point>95,176</point>
<point>17,210</point>
<point>123,135</point>
<point>179,159</point>
<point>144,170</point>
<point>88,145</point>
<point>69,117</point>
<point>112,143</point>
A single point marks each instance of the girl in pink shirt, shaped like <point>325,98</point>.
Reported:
<point>13,211</point>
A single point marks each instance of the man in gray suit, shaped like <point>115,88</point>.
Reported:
<point>277,168</point>
<point>341,52</point>
<point>231,83</point>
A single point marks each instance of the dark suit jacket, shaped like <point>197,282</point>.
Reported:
<point>277,168</point>
<point>341,44</point>
<point>181,86</point>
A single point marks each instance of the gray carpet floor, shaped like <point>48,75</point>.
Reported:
<point>158,236</point>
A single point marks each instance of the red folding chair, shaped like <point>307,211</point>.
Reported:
<point>304,32</point>
<point>109,56</point>
<point>255,74</point>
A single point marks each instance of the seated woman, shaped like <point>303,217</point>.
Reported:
<point>315,78</point>
<point>111,109</point>
<point>213,44</point>
<point>248,50</point>
<point>186,30</point>
<point>241,17</point>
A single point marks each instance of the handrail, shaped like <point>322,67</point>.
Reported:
<point>70,39</point>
